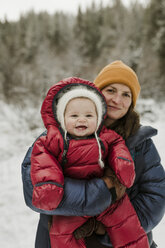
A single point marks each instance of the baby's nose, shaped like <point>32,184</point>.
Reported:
<point>82,119</point>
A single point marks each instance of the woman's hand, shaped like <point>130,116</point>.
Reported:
<point>87,229</point>
<point>111,181</point>
<point>100,228</point>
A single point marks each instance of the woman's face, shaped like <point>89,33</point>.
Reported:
<point>119,99</point>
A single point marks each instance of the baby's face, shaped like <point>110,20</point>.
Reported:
<point>80,117</point>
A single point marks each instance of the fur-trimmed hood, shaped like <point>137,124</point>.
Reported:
<point>49,106</point>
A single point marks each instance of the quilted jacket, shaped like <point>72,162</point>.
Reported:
<point>81,156</point>
<point>91,197</point>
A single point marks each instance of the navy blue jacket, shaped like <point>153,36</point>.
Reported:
<point>91,197</point>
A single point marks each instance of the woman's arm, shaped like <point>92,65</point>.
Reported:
<point>81,197</point>
<point>148,196</point>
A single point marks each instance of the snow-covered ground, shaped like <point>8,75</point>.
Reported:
<point>17,222</point>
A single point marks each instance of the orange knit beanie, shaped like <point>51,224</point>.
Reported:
<point>118,72</point>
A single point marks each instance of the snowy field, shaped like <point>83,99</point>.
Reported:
<point>18,223</point>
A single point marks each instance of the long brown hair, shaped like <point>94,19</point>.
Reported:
<point>127,125</point>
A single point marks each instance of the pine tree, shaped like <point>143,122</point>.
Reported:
<point>156,29</point>
<point>87,30</point>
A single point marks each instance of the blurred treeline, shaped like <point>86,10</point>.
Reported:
<point>40,49</point>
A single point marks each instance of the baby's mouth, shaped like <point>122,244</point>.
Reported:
<point>82,127</point>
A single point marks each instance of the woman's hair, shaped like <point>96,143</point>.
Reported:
<point>127,125</point>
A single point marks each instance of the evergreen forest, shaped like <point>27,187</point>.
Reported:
<point>40,49</point>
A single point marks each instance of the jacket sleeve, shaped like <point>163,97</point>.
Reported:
<point>120,159</point>
<point>47,176</point>
<point>81,197</point>
<point>148,196</point>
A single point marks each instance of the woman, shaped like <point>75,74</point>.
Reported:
<point>121,88</point>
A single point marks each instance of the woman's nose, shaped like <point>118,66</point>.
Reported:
<point>116,98</point>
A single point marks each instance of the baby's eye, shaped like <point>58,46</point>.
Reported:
<point>89,115</point>
<point>74,116</point>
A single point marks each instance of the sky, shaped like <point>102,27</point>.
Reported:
<point>11,9</point>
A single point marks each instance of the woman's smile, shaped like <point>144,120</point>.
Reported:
<point>113,107</point>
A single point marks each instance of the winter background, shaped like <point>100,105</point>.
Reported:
<point>20,125</point>
<point>12,9</point>
<point>18,222</point>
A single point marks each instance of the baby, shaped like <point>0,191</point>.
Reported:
<point>77,145</point>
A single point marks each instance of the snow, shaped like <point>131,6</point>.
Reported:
<point>18,222</point>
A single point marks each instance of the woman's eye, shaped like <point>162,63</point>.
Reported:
<point>110,90</point>
<point>127,95</point>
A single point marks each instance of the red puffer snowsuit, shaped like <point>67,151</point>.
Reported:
<point>47,175</point>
